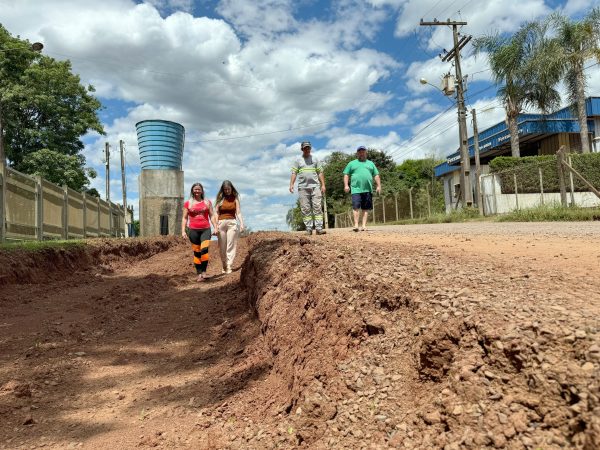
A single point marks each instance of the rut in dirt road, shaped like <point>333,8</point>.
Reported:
<point>337,342</point>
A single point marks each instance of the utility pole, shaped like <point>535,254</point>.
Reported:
<point>123,185</point>
<point>477,164</point>
<point>107,167</point>
<point>465,165</point>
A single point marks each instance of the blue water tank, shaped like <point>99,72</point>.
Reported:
<point>161,144</point>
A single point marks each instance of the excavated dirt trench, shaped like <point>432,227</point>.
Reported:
<point>318,343</point>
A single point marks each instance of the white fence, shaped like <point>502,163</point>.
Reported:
<point>32,208</point>
<point>495,202</point>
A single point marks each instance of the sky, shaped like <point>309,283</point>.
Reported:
<point>251,79</point>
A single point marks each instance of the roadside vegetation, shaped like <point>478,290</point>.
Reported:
<point>36,246</point>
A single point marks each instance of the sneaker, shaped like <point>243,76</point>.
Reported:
<point>355,229</point>
<point>309,232</point>
<point>321,232</point>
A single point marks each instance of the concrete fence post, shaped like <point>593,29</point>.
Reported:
<point>572,185</point>
<point>39,208</point>
<point>560,159</point>
<point>2,202</point>
<point>396,205</point>
<point>541,185</point>
<point>84,214</point>
<point>99,214</point>
<point>410,202</point>
<point>494,193</point>
<point>65,217</point>
<point>516,190</point>
<point>429,200</point>
<point>383,207</point>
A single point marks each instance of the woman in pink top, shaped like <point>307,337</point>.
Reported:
<point>198,214</point>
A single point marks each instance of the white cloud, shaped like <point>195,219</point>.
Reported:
<point>482,17</point>
<point>382,120</point>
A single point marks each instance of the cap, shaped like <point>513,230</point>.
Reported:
<point>305,144</point>
<point>362,147</point>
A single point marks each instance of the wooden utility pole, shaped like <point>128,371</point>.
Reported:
<point>124,186</point>
<point>107,169</point>
<point>477,164</point>
<point>465,160</point>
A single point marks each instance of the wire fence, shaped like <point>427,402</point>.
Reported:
<point>537,182</point>
<point>397,206</point>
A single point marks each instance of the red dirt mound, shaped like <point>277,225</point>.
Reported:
<point>54,262</point>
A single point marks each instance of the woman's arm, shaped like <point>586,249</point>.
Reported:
<point>184,221</point>
<point>238,213</point>
<point>213,217</point>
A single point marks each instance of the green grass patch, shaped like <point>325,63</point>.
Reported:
<point>36,246</point>
<point>463,215</point>
<point>548,213</point>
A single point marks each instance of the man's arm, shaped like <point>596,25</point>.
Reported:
<point>292,181</point>
<point>378,183</point>
<point>322,179</point>
<point>346,179</point>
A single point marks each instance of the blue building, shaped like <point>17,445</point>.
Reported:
<point>539,134</point>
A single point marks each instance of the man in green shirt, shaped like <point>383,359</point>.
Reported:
<point>361,172</point>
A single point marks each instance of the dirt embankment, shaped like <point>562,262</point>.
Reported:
<point>317,343</point>
<point>51,263</point>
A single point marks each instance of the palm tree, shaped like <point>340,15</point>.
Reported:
<point>576,43</point>
<point>517,65</point>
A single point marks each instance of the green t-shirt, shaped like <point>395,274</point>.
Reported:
<point>361,175</point>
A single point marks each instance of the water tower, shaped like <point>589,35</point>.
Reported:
<point>160,143</point>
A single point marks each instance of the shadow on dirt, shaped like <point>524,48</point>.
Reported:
<point>99,352</point>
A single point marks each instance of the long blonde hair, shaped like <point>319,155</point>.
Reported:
<point>221,194</point>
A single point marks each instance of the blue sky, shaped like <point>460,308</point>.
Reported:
<point>251,79</point>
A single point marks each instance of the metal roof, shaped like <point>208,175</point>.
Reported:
<point>496,138</point>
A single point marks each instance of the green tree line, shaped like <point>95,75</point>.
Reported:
<point>412,173</point>
<point>44,112</point>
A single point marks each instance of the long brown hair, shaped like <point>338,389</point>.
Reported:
<point>221,194</point>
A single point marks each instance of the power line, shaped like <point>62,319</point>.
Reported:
<point>261,134</point>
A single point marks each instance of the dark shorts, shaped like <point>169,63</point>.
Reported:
<point>363,201</point>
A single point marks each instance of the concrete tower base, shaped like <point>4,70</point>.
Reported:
<point>161,202</point>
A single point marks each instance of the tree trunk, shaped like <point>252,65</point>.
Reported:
<point>581,112</point>
<point>514,135</point>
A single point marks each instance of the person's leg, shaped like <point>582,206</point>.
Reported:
<point>305,209</point>
<point>366,204</point>
<point>195,239</point>
<point>317,208</point>
<point>364,219</point>
<point>222,236</point>
<point>355,209</point>
<point>232,238</point>
<point>204,256</point>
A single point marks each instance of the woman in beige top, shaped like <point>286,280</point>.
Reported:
<point>230,223</point>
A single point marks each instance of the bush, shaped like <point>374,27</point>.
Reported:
<point>528,177</point>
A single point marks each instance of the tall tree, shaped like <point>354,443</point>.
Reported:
<point>518,67</point>
<point>59,168</point>
<point>576,42</point>
<point>43,106</point>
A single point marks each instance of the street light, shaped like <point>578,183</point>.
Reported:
<point>465,160</point>
<point>424,81</point>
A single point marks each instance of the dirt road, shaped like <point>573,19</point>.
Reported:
<point>441,336</point>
